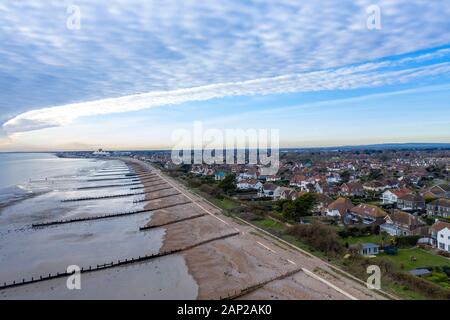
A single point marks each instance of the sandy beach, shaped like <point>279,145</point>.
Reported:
<point>249,265</point>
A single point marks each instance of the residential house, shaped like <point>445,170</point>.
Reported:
<point>376,186</point>
<point>438,191</point>
<point>369,249</point>
<point>249,173</point>
<point>273,178</point>
<point>439,208</point>
<point>333,178</point>
<point>411,202</point>
<point>269,190</point>
<point>400,223</point>
<point>287,193</point>
<point>367,213</point>
<point>440,234</point>
<point>299,181</point>
<point>322,203</point>
<point>391,196</point>
<point>351,189</point>
<point>339,208</point>
<point>391,184</point>
<point>249,184</point>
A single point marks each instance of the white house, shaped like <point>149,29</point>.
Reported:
<point>270,190</point>
<point>333,178</point>
<point>440,235</point>
<point>391,196</point>
<point>443,239</point>
<point>248,184</point>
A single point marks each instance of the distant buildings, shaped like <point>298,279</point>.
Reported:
<point>400,223</point>
<point>391,196</point>
<point>101,153</point>
<point>439,208</point>
<point>366,213</point>
<point>411,202</point>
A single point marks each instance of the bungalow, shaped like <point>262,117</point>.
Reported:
<point>438,191</point>
<point>369,214</point>
<point>391,184</point>
<point>333,178</point>
<point>369,249</point>
<point>439,208</point>
<point>322,203</point>
<point>299,181</point>
<point>269,190</point>
<point>391,196</point>
<point>250,173</point>
<point>440,233</point>
<point>374,186</point>
<point>411,202</point>
<point>339,208</point>
<point>351,189</point>
<point>400,223</point>
<point>273,178</point>
<point>287,193</point>
<point>249,184</point>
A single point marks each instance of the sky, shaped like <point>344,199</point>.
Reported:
<point>82,75</point>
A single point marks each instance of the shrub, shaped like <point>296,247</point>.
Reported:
<point>318,236</point>
<point>408,241</point>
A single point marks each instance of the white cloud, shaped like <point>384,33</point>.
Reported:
<point>359,76</point>
<point>181,50</point>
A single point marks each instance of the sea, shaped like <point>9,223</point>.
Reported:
<point>34,188</point>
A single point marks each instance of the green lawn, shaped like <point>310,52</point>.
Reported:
<point>423,259</point>
<point>224,203</point>
<point>374,238</point>
<point>269,224</point>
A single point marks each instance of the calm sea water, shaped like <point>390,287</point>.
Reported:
<point>32,186</point>
<point>18,168</point>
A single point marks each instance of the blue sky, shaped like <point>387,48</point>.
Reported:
<point>136,71</point>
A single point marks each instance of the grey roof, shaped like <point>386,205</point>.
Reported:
<point>420,272</point>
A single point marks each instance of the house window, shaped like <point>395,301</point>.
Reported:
<point>441,246</point>
<point>442,235</point>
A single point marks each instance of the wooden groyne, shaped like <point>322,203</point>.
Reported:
<point>113,264</point>
<point>148,186</point>
<point>172,222</point>
<point>110,185</point>
<point>109,179</point>
<point>105,216</point>
<point>161,197</point>
<point>249,289</point>
<point>110,196</point>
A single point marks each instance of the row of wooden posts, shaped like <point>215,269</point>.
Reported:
<point>112,263</point>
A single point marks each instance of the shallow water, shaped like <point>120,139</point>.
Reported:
<point>27,252</point>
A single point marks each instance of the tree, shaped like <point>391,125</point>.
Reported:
<point>345,176</point>
<point>228,185</point>
<point>300,207</point>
